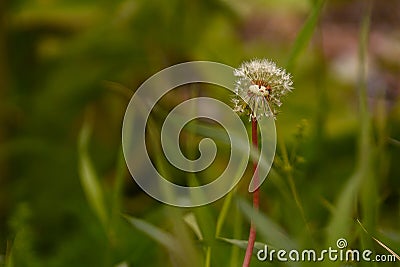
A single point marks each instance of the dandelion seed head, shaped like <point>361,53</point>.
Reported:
<point>260,85</point>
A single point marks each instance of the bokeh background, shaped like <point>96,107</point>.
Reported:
<point>69,68</point>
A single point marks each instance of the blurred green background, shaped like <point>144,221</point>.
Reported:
<point>69,68</point>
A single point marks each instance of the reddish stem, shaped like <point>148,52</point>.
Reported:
<point>256,197</point>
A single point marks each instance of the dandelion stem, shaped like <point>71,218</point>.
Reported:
<point>256,197</point>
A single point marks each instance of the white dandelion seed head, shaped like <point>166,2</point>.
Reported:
<point>260,85</point>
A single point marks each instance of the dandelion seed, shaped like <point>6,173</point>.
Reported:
<point>260,85</point>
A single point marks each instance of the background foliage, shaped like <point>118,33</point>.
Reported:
<point>68,69</point>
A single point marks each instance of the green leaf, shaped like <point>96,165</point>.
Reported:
<point>243,244</point>
<point>341,220</point>
<point>224,212</point>
<point>191,221</point>
<point>89,179</point>
<point>160,236</point>
<point>305,34</point>
<point>272,232</point>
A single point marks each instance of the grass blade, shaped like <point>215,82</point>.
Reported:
<point>379,242</point>
<point>243,244</point>
<point>273,233</point>
<point>9,255</point>
<point>341,221</point>
<point>191,221</point>
<point>121,171</point>
<point>224,212</point>
<point>89,179</point>
<point>160,236</point>
<point>181,252</point>
<point>361,188</point>
<point>305,34</point>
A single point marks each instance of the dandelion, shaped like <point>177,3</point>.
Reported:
<point>259,88</point>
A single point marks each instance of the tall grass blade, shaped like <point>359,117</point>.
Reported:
<point>88,177</point>
<point>368,148</point>
<point>271,231</point>
<point>119,178</point>
<point>360,189</point>
<point>224,212</point>
<point>341,221</point>
<point>160,236</point>
<point>305,34</point>
<point>237,232</point>
<point>243,244</point>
